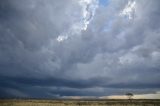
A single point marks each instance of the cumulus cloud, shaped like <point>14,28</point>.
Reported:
<point>79,48</point>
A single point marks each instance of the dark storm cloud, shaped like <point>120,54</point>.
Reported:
<point>114,55</point>
<point>45,89</point>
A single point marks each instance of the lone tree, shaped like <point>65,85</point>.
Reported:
<point>129,95</point>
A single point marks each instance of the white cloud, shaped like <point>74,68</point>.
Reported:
<point>129,10</point>
<point>61,38</point>
<point>88,8</point>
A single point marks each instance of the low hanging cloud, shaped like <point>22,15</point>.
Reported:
<point>79,47</point>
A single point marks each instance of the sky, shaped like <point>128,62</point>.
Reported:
<point>62,48</point>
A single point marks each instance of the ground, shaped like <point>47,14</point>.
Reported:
<point>60,102</point>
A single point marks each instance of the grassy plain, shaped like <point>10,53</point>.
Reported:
<point>80,102</point>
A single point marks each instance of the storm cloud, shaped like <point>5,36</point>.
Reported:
<point>57,48</point>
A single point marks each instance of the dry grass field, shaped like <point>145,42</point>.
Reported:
<point>16,102</point>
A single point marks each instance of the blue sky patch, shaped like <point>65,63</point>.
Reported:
<point>103,2</point>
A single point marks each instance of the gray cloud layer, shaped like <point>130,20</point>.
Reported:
<point>113,56</point>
